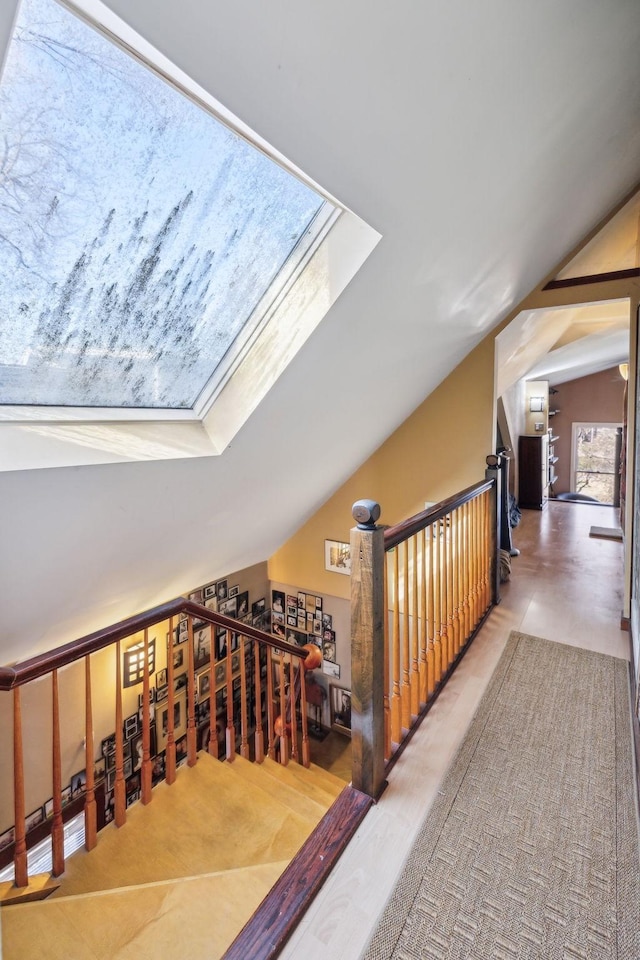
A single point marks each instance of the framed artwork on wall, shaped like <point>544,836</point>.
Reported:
<point>337,556</point>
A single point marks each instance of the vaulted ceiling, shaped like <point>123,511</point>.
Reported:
<point>483,141</point>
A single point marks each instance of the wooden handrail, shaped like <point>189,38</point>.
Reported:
<point>45,663</point>
<point>407,528</point>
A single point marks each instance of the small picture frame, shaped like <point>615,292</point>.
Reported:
<point>329,650</point>
<point>229,607</point>
<point>337,556</point>
<point>34,819</point>
<point>234,591</point>
<point>340,707</point>
<point>131,726</point>
<point>202,646</point>
<point>331,669</point>
<point>204,684</point>
<point>242,604</point>
<point>78,782</point>
<point>209,591</point>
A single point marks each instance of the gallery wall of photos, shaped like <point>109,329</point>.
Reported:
<point>298,618</point>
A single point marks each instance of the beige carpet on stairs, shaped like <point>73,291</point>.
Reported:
<point>530,851</point>
<point>183,876</point>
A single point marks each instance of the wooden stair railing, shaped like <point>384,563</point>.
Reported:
<point>249,698</point>
<point>419,593</point>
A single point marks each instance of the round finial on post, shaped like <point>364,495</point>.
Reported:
<point>365,513</point>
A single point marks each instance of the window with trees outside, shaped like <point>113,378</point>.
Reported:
<point>138,233</point>
<point>596,459</point>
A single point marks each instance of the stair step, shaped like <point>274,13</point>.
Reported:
<point>149,920</point>
<point>305,799</point>
<point>205,822</point>
<point>316,780</point>
<point>40,886</point>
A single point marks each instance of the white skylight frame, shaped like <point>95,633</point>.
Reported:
<point>37,436</point>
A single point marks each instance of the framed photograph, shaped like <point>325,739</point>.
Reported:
<point>228,608</point>
<point>277,617</point>
<point>204,684</point>
<point>329,650</point>
<point>235,663</point>
<point>78,782</point>
<point>181,751</point>
<point>48,810</point>
<point>180,659</point>
<point>161,678</point>
<point>340,706</point>
<point>221,643</point>
<point>296,636</point>
<point>66,796</point>
<point>109,745</point>
<point>132,788</point>
<point>162,693</point>
<point>331,669</point>
<point>196,596</point>
<point>202,646</point>
<point>302,600</point>
<point>242,604</point>
<point>317,627</point>
<point>203,710</point>
<point>277,629</point>
<point>131,726</point>
<point>259,607</point>
<point>34,819</point>
<point>179,720</point>
<point>221,589</point>
<point>234,591</point>
<point>319,605</point>
<point>302,622</point>
<point>99,770</point>
<point>221,673</point>
<point>337,556</point>
<point>209,591</point>
<point>327,621</point>
<point>310,605</point>
<point>159,768</point>
<point>292,621</point>
<point>277,601</point>
<point>212,604</point>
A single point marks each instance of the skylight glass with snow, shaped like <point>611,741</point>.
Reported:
<point>142,241</point>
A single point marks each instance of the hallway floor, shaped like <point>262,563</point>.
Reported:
<point>566,587</point>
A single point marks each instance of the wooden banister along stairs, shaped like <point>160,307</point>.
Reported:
<point>419,593</point>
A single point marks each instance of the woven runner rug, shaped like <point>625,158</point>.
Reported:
<point>531,848</point>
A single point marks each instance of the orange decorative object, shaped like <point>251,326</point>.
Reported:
<point>313,658</point>
<point>281,729</point>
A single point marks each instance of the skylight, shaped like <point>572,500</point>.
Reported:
<point>142,241</point>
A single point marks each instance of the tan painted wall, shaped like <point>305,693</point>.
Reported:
<point>438,450</point>
<point>597,398</point>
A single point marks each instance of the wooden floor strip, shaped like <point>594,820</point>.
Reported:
<point>264,936</point>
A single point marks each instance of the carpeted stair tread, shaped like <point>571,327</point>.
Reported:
<point>145,922</point>
<point>319,782</point>
<point>288,792</point>
<point>205,822</point>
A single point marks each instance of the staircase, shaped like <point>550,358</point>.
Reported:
<point>184,874</point>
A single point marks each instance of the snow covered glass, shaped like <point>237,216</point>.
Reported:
<point>140,237</point>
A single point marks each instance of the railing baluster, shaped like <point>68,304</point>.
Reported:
<point>244,736</point>
<point>231,732</point>
<point>119,798</point>
<point>415,674</point>
<point>444,616</point>
<point>192,736</point>
<point>406,646</point>
<point>292,713</point>
<point>147,766</point>
<point>396,700</point>
<point>422,619</point>
<point>57,826</point>
<point>437,639</point>
<point>20,852</point>
<point>271,736</point>
<point>467,571</point>
<point>386,698</point>
<point>90,812</point>
<point>259,732</point>
<point>431,655</point>
<point>284,739</point>
<point>306,753</point>
<point>170,759</point>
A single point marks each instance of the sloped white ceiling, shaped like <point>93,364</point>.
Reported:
<point>481,140</point>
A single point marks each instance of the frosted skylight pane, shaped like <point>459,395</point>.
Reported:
<point>137,232</point>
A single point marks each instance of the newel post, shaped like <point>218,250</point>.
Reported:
<point>367,649</point>
<point>494,472</point>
